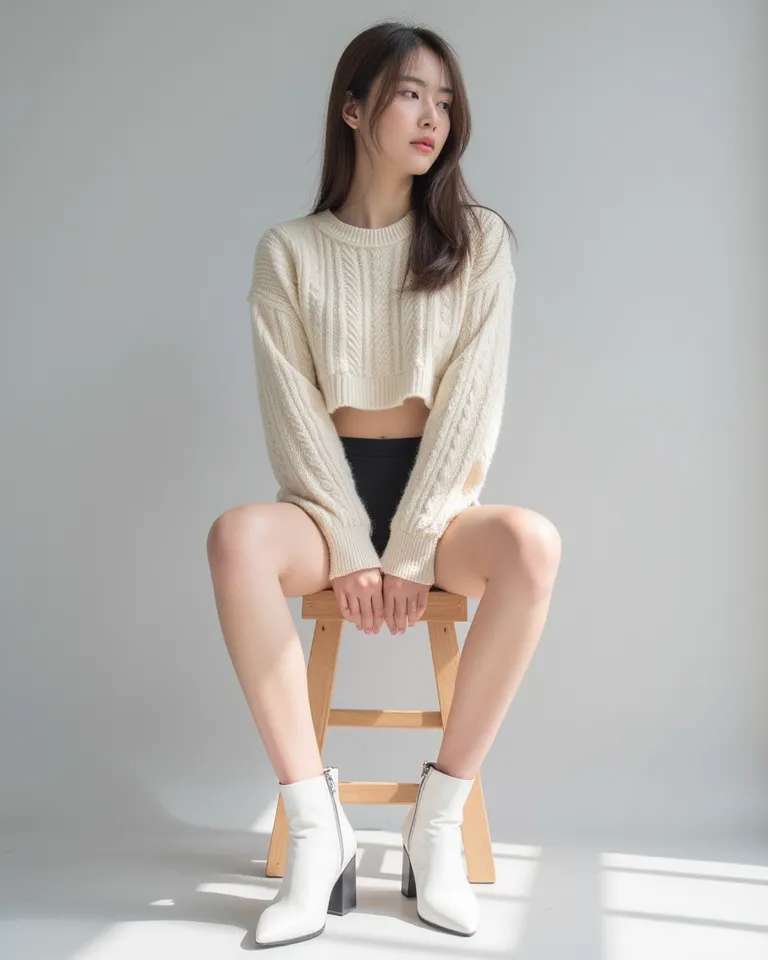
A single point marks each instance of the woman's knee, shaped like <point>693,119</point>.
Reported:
<point>238,531</point>
<point>530,544</point>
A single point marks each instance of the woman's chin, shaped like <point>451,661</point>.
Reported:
<point>420,166</point>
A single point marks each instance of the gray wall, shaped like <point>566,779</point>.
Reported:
<point>145,148</point>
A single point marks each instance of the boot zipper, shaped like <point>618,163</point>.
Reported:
<point>329,780</point>
<point>424,771</point>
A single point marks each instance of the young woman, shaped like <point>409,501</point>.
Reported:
<point>381,326</point>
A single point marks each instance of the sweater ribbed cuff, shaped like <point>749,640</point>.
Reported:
<point>410,555</point>
<point>351,549</point>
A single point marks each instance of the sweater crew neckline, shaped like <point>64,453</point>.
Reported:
<point>330,224</point>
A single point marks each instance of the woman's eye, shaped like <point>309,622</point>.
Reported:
<point>446,102</point>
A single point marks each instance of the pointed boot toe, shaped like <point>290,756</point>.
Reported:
<point>281,924</point>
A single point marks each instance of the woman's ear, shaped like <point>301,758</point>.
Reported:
<point>350,111</point>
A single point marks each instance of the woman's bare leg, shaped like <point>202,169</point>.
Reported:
<point>258,628</point>
<point>522,559</point>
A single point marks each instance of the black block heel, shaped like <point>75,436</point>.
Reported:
<point>344,893</point>
<point>408,886</point>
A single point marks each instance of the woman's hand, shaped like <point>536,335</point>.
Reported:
<point>404,602</point>
<point>359,597</point>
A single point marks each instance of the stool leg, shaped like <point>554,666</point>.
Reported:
<point>278,843</point>
<point>321,673</point>
<point>477,837</point>
<point>475,831</point>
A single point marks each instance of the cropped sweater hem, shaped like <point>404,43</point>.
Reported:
<point>378,393</point>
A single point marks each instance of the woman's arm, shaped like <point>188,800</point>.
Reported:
<point>463,427</point>
<point>304,448</point>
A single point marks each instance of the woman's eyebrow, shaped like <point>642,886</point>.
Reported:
<point>424,84</point>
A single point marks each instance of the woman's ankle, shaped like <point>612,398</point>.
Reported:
<point>297,774</point>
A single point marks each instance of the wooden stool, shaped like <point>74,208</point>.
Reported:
<point>442,612</point>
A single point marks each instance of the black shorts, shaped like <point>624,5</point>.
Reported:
<point>381,468</point>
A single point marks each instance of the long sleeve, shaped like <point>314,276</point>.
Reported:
<point>462,430</point>
<point>305,451</point>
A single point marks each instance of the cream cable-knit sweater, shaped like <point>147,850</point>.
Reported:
<point>330,329</point>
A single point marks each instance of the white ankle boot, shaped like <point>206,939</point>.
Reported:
<point>320,870</point>
<point>433,869</point>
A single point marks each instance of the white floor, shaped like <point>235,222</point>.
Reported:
<point>124,898</point>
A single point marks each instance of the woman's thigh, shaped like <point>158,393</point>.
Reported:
<point>283,537</point>
<point>288,541</point>
<point>470,547</point>
<point>496,539</point>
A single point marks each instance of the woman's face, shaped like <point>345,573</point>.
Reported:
<point>420,109</point>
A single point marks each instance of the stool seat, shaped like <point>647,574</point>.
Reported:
<point>444,609</point>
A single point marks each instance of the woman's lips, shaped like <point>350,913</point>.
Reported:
<point>425,147</point>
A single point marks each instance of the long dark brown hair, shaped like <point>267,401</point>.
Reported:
<point>440,198</point>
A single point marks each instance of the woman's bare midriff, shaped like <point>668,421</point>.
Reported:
<point>407,420</point>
